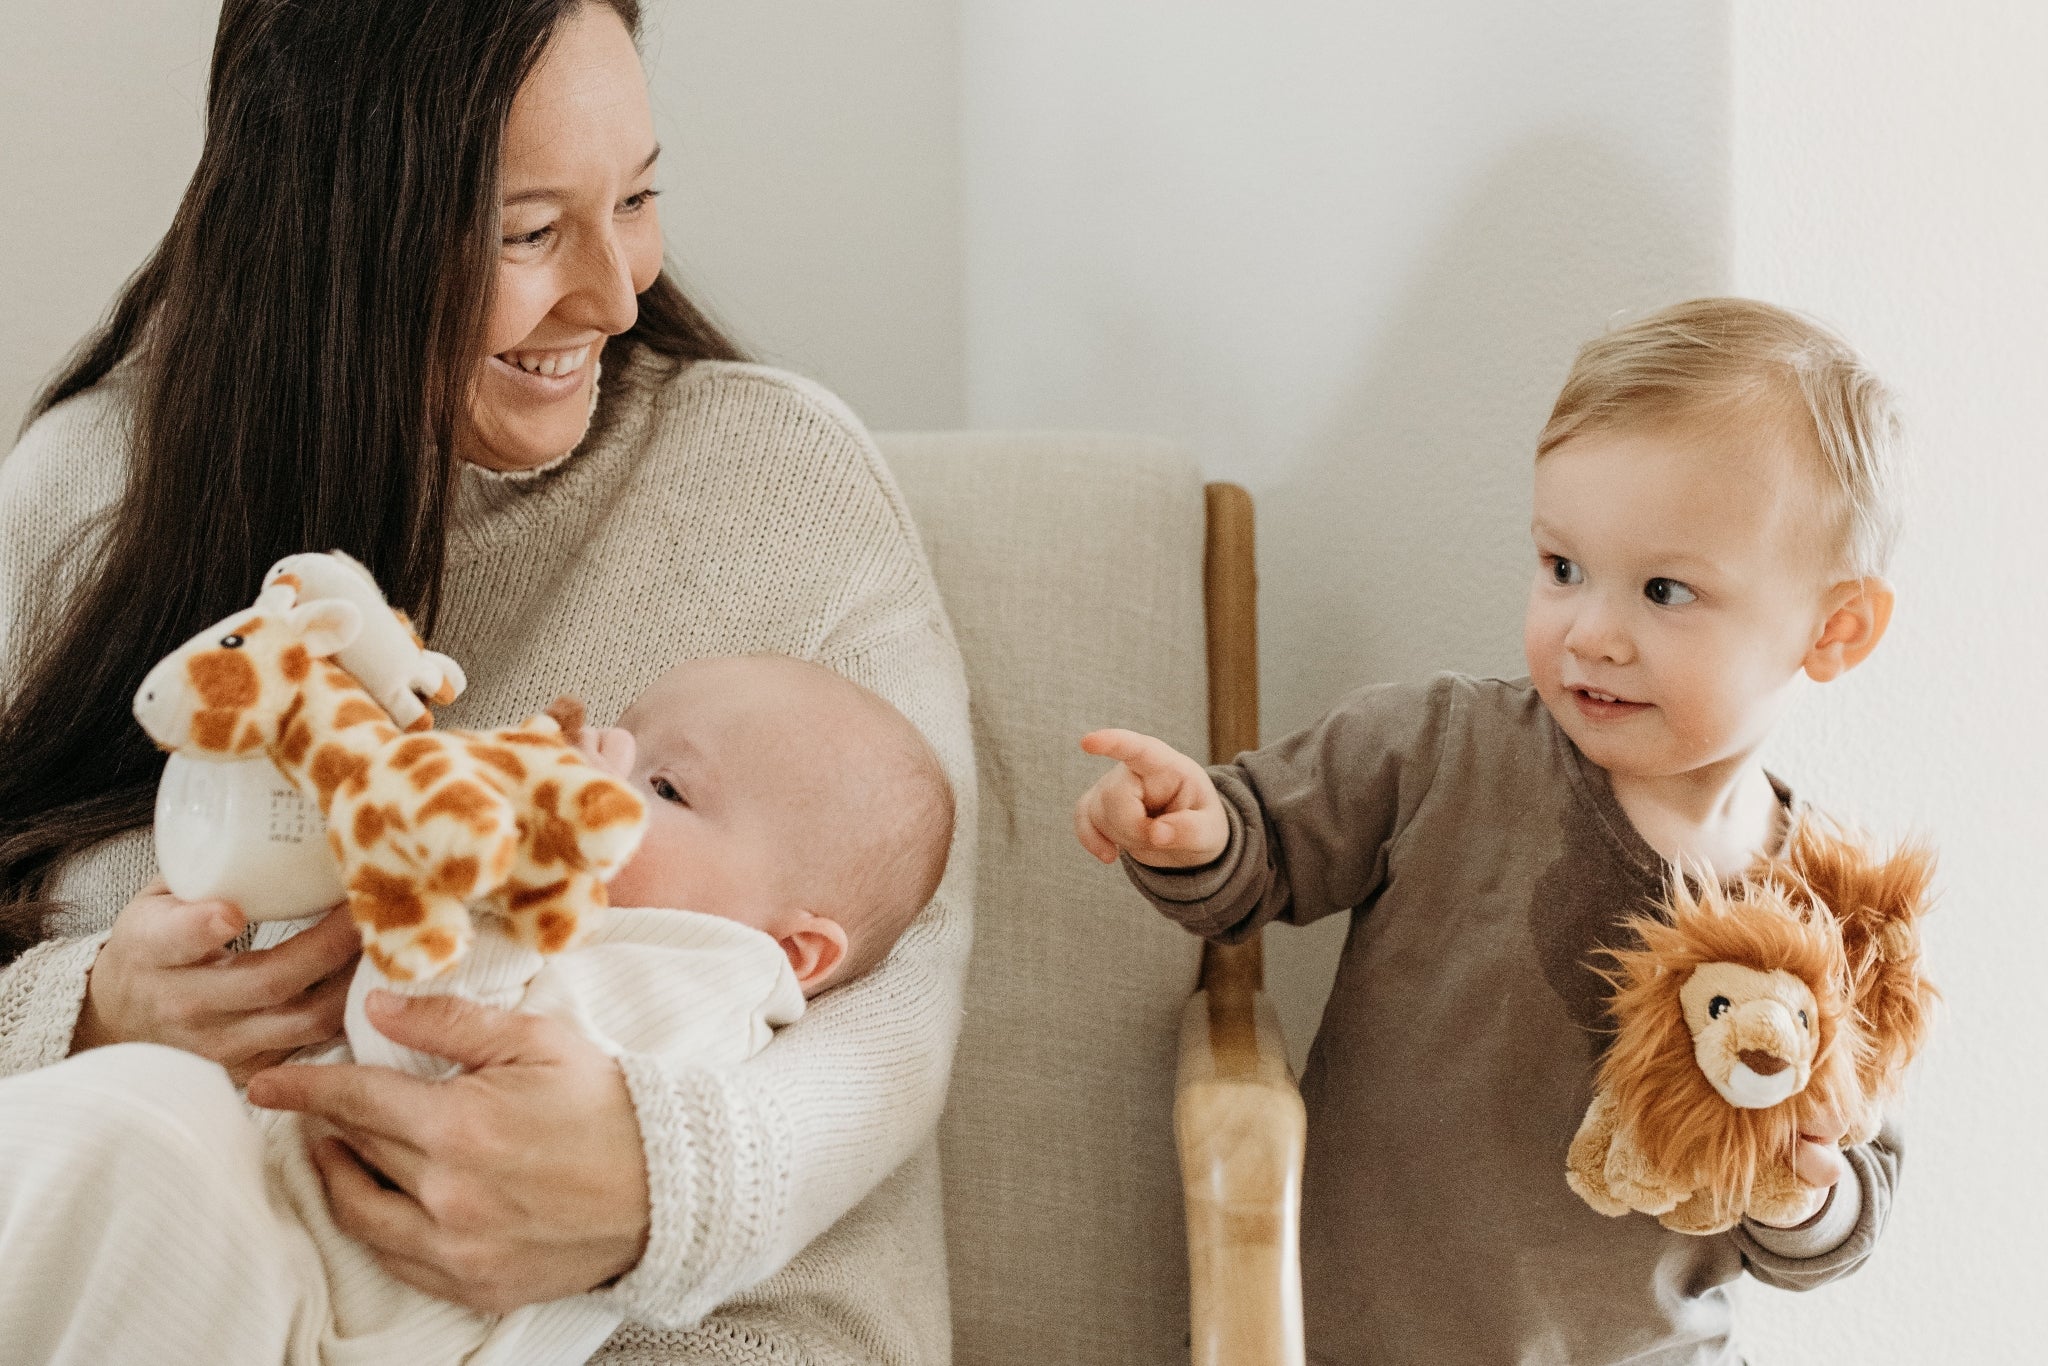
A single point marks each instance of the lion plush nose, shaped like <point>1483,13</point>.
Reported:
<point>1763,1063</point>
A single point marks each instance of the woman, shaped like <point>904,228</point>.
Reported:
<point>375,324</point>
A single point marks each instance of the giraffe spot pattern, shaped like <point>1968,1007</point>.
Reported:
<point>295,662</point>
<point>497,756</point>
<point>214,730</point>
<point>431,772</point>
<point>224,679</point>
<point>333,768</point>
<point>298,738</point>
<point>464,800</point>
<point>521,898</point>
<point>555,930</point>
<point>457,877</point>
<point>356,711</point>
<point>414,750</point>
<point>383,902</point>
<point>439,946</point>
<point>604,803</point>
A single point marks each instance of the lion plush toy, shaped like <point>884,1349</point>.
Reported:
<point>1741,1017</point>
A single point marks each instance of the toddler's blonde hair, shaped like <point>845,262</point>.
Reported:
<point>1714,360</point>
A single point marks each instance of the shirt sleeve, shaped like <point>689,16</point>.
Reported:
<point>1314,818</point>
<point>1841,1237</point>
<point>747,1164</point>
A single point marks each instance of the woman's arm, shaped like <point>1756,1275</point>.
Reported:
<point>157,973</point>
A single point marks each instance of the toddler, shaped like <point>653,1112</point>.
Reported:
<point>796,825</point>
<point>1715,501</point>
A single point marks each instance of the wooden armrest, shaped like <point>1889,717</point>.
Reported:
<point>1239,1124</point>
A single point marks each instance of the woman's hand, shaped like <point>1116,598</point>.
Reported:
<point>165,976</point>
<point>521,1179</point>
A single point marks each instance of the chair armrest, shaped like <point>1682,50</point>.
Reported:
<point>1239,1124</point>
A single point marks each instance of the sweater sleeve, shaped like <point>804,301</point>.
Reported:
<point>1313,818</point>
<point>54,485</point>
<point>1838,1239</point>
<point>748,1164</point>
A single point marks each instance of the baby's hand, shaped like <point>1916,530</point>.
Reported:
<point>1157,804</point>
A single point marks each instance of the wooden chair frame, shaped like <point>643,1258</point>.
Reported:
<point>1237,1116</point>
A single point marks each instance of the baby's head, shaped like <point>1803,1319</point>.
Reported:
<point>1717,495</point>
<point>786,797</point>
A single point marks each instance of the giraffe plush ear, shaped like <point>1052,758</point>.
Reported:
<point>326,626</point>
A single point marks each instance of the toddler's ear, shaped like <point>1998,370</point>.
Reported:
<point>1858,611</point>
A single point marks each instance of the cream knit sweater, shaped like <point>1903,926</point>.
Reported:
<point>713,509</point>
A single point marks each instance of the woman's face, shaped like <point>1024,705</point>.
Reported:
<point>580,240</point>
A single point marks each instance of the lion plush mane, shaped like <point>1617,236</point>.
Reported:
<point>1842,920</point>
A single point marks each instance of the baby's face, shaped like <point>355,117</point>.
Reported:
<point>1679,586</point>
<point>702,748</point>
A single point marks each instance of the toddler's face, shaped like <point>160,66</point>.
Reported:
<point>1679,586</point>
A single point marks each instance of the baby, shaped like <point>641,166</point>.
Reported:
<point>1715,501</point>
<point>797,824</point>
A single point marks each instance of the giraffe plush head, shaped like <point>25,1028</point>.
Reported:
<point>227,692</point>
<point>430,828</point>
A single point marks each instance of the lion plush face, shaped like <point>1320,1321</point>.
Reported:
<point>1754,1033</point>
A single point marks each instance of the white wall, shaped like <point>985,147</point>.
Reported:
<point>811,165</point>
<point>1345,252</point>
<point>1892,176</point>
<point>100,118</point>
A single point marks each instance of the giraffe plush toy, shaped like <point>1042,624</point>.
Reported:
<point>428,825</point>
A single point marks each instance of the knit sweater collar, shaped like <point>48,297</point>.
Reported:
<point>491,505</point>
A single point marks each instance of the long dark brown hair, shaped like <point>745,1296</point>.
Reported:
<point>301,342</point>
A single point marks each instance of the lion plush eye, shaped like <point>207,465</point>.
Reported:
<point>1717,1007</point>
<point>231,642</point>
<point>1802,1019</point>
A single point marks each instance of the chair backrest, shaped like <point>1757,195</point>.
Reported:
<point>1072,567</point>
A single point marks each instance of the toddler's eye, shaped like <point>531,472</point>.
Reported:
<point>1667,592</point>
<point>666,790</point>
<point>1718,1007</point>
<point>1565,572</point>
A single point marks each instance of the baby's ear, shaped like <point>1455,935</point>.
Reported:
<point>1858,611</point>
<point>816,947</point>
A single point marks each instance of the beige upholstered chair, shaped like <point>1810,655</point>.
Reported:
<point>1073,567</point>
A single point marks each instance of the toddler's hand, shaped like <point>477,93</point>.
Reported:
<point>1157,804</point>
<point>1819,1161</point>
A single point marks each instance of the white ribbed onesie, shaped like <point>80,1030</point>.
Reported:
<point>137,1151</point>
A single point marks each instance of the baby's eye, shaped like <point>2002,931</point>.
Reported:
<point>1667,592</point>
<point>636,202</point>
<point>530,239</point>
<point>1718,1007</point>
<point>1565,572</point>
<point>666,790</point>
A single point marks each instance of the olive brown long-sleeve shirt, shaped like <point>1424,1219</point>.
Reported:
<point>1484,861</point>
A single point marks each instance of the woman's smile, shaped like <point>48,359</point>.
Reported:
<point>544,376</point>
